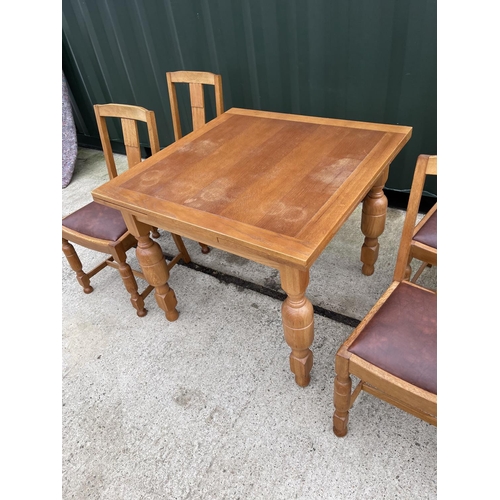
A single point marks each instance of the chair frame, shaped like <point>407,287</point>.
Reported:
<point>372,379</point>
<point>426,165</point>
<point>129,116</point>
<point>116,250</point>
<point>196,80</point>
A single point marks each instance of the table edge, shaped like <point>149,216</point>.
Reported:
<point>337,122</point>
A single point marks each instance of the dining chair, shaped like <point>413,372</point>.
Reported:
<point>393,351</point>
<point>196,81</point>
<point>422,241</point>
<point>101,228</point>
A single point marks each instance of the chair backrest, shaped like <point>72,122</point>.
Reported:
<point>129,116</point>
<point>426,165</point>
<point>196,80</point>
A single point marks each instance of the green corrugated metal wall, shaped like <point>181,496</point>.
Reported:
<point>369,60</point>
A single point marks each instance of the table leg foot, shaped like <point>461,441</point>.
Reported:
<point>369,255</point>
<point>301,367</point>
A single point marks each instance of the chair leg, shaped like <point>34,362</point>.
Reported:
<point>419,271</point>
<point>341,396</point>
<point>76,264</point>
<point>154,232</point>
<point>408,269</point>
<point>182,248</point>
<point>204,248</point>
<point>131,285</point>
<point>407,272</point>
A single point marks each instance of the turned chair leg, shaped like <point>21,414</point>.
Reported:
<point>341,397</point>
<point>407,272</point>
<point>182,248</point>
<point>204,248</point>
<point>76,264</point>
<point>130,283</point>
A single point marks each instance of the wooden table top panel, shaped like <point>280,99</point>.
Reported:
<point>314,181</point>
<point>333,214</point>
<point>214,182</point>
<point>302,160</point>
<point>226,176</point>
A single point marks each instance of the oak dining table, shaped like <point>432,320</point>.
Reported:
<point>270,187</point>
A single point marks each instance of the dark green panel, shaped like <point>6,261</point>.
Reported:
<point>369,60</point>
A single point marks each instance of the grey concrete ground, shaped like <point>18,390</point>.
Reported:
<point>206,407</point>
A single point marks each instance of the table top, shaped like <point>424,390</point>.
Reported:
<point>269,186</point>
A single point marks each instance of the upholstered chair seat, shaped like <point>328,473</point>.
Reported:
<point>97,221</point>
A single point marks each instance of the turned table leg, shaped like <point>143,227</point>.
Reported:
<point>373,222</point>
<point>298,323</point>
<point>153,265</point>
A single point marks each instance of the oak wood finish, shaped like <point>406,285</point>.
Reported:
<point>373,379</point>
<point>373,223</point>
<point>116,250</point>
<point>298,322</point>
<point>270,187</point>
<point>196,80</point>
<point>426,166</point>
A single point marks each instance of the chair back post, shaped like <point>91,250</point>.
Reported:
<point>426,165</point>
<point>174,107</point>
<point>196,80</point>
<point>432,166</point>
<point>219,99</point>
<point>154,142</point>
<point>105,142</point>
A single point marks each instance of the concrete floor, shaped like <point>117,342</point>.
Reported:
<point>206,407</point>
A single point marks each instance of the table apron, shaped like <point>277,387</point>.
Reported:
<point>222,242</point>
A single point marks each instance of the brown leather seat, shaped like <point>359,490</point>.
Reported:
<point>401,338</point>
<point>97,221</point>
<point>427,234</point>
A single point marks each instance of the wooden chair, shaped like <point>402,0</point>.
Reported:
<point>393,351</point>
<point>102,228</point>
<point>196,80</point>
<point>422,241</point>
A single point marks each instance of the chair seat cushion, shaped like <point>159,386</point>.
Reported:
<point>401,338</point>
<point>427,234</point>
<point>97,221</point>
